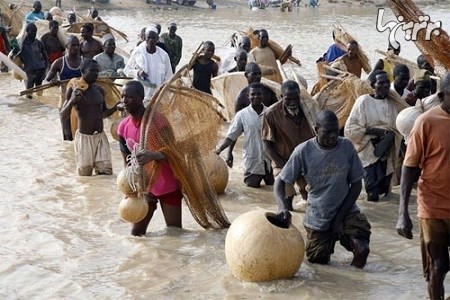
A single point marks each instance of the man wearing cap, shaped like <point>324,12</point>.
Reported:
<point>110,63</point>
<point>149,64</point>
<point>174,43</point>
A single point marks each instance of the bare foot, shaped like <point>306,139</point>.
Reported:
<point>360,253</point>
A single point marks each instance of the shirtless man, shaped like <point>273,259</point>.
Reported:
<point>240,57</point>
<point>351,59</point>
<point>90,47</point>
<point>52,43</point>
<point>91,143</point>
<point>67,67</point>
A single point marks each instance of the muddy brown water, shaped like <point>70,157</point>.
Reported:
<point>61,236</point>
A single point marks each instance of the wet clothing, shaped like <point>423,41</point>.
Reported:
<point>202,76</point>
<point>329,174</point>
<point>285,131</point>
<point>254,180</point>
<point>35,78</point>
<point>92,154</point>
<point>242,101</point>
<point>369,112</point>
<point>249,123</point>
<point>434,245</point>
<point>129,131</point>
<point>333,53</point>
<point>172,198</point>
<point>3,44</point>
<point>109,65</point>
<point>33,56</point>
<point>429,149</point>
<point>320,244</point>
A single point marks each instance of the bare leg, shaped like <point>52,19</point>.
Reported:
<point>438,269</point>
<point>172,214</point>
<point>360,248</point>
<point>140,228</point>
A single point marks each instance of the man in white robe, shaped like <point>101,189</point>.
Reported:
<point>149,64</point>
<point>371,128</point>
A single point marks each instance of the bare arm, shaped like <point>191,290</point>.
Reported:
<point>215,69</point>
<point>54,69</point>
<point>284,216</point>
<point>72,97</point>
<point>269,147</point>
<point>227,143</point>
<point>410,175</point>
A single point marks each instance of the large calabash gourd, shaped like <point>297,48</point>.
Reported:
<point>123,183</point>
<point>133,209</point>
<point>257,249</point>
<point>217,172</point>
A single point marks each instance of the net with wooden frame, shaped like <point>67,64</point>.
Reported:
<point>438,46</point>
<point>340,94</point>
<point>343,38</point>
<point>12,17</point>
<point>183,123</point>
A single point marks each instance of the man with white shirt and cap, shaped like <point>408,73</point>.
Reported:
<point>149,64</point>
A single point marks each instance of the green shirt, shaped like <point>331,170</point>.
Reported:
<point>175,46</point>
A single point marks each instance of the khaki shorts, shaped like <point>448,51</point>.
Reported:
<point>434,245</point>
<point>92,153</point>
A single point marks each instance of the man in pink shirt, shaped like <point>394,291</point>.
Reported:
<point>163,186</point>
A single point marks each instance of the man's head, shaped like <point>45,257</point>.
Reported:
<point>425,63</point>
<point>132,96</point>
<point>252,72</point>
<point>94,13</point>
<point>53,26</point>
<point>31,31</point>
<point>241,59</point>
<point>208,49</point>
<point>263,36</point>
<point>327,128</point>
<point>73,45</point>
<point>172,28</point>
<point>444,93</point>
<point>71,18</point>
<point>151,36</point>
<point>379,80</point>
<point>109,46</point>
<point>290,95</point>
<point>401,76</point>
<point>48,16</point>
<point>352,49</point>
<point>255,94</point>
<point>245,43</point>
<point>37,6</point>
<point>89,70</point>
<point>87,29</point>
<point>391,48</point>
<point>422,84</point>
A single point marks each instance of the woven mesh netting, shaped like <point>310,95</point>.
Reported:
<point>437,48</point>
<point>340,94</point>
<point>183,123</point>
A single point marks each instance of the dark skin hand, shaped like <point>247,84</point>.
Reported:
<point>269,147</point>
<point>410,175</point>
<point>225,144</point>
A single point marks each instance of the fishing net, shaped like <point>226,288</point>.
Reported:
<point>340,94</point>
<point>183,123</point>
<point>12,17</point>
<point>280,53</point>
<point>321,81</point>
<point>435,46</point>
<point>343,38</point>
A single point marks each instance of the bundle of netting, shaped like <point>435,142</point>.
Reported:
<point>340,94</point>
<point>321,82</point>
<point>343,38</point>
<point>12,16</point>
<point>183,124</point>
<point>432,43</point>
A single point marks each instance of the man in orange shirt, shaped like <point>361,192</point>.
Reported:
<point>427,160</point>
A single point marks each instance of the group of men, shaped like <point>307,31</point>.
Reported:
<point>280,146</point>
